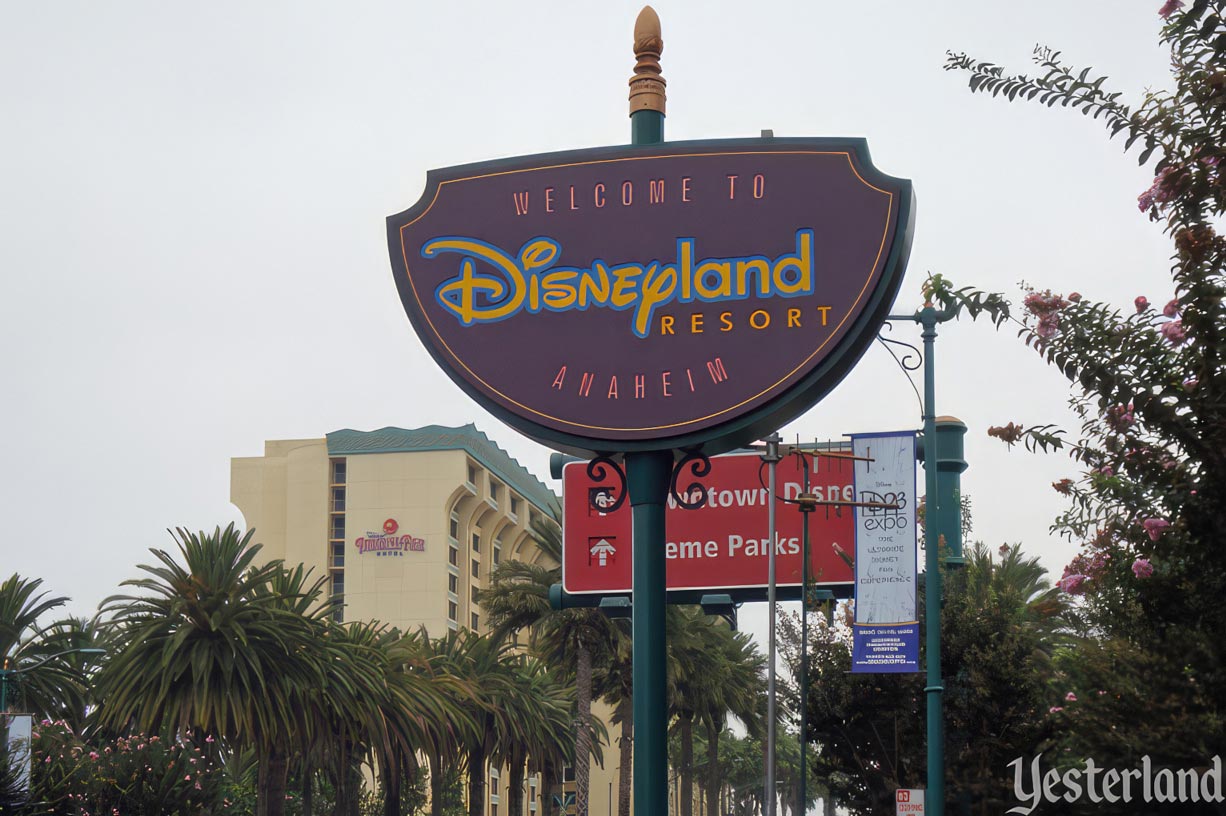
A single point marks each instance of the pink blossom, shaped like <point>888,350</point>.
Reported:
<point>1055,709</point>
<point>187,778</point>
<point>1074,297</point>
<point>1142,568</point>
<point>1101,692</point>
<point>1071,697</point>
<point>1190,384</point>
<point>1155,527</point>
<point>1073,584</point>
<point>208,739</point>
<point>1121,417</point>
<point>1174,332</point>
<point>1162,191</point>
<point>1171,309</point>
<point>1142,303</point>
<point>93,754</point>
<point>1169,8</point>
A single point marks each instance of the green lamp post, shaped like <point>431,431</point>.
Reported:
<point>648,475</point>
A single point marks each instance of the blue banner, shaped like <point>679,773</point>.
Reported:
<point>885,647</point>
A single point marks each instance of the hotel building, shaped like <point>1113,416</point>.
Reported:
<point>407,525</point>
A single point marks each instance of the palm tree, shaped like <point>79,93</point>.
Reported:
<point>518,598</point>
<point>541,728</point>
<point>57,687</point>
<point>351,715</point>
<point>447,737</point>
<point>615,682</point>
<point>694,642</point>
<point>423,704</point>
<point>736,688</point>
<point>210,646</point>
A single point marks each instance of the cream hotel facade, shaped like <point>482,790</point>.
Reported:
<point>407,525</point>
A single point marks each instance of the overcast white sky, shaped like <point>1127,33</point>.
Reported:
<point>192,204</point>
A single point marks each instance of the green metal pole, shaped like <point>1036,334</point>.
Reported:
<point>934,800</point>
<point>950,433</point>
<point>648,476</point>
<point>805,510</point>
<point>646,128</point>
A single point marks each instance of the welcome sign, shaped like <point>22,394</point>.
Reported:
<point>642,298</point>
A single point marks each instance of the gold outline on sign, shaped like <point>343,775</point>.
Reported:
<point>425,315</point>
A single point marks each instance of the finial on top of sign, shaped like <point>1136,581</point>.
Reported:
<point>647,85</point>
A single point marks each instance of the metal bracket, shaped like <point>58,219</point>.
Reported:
<point>700,467</point>
<point>911,360</point>
<point>598,471</point>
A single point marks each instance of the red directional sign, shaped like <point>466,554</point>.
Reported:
<point>722,545</point>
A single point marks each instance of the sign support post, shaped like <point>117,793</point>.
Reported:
<point>929,317</point>
<point>771,458</point>
<point>648,476</point>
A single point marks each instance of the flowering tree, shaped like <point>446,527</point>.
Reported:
<point>1148,502</point>
<point>136,775</point>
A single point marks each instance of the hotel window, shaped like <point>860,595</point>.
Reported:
<point>497,551</point>
<point>453,528</point>
<point>454,556</point>
<point>336,535</point>
<point>472,475</point>
<point>494,490</point>
<point>338,593</point>
<point>476,568</point>
<point>453,584</point>
<point>514,506</point>
<point>473,595</point>
<point>476,622</point>
<point>476,542</point>
<point>453,610</point>
<point>493,781</point>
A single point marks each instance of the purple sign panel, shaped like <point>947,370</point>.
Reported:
<point>653,297</point>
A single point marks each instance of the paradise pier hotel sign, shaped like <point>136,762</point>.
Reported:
<point>643,298</point>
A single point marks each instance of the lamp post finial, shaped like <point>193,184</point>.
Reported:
<point>647,85</point>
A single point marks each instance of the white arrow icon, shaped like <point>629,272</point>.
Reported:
<point>601,551</point>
